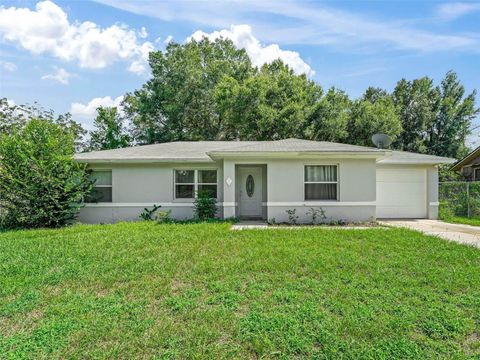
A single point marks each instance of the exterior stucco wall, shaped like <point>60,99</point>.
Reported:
<point>332,213</point>
<point>105,214</point>
<point>284,182</point>
<point>356,179</point>
<point>229,205</point>
<point>141,185</point>
<point>137,186</point>
<point>356,190</point>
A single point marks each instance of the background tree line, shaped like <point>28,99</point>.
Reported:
<point>209,91</point>
<point>204,90</point>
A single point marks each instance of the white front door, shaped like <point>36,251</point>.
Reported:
<point>250,192</point>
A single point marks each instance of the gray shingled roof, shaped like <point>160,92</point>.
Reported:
<point>404,157</point>
<point>192,151</point>
<point>173,151</point>
<point>296,145</point>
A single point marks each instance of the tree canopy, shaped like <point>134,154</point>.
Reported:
<point>15,117</point>
<point>178,102</point>
<point>40,183</point>
<point>454,113</point>
<point>110,132</point>
<point>209,90</point>
<point>374,113</point>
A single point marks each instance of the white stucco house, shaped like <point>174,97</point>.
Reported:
<point>263,179</point>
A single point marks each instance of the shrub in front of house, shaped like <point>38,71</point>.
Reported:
<point>40,183</point>
<point>205,205</point>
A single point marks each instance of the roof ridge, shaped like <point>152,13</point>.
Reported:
<point>251,143</point>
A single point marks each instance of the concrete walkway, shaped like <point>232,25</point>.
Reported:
<point>464,234</point>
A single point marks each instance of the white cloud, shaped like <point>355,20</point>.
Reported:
<point>158,40</point>
<point>139,66</point>
<point>143,33</point>
<point>452,11</point>
<point>47,30</point>
<point>8,66</point>
<point>242,37</point>
<point>61,75</point>
<point>85,113</point>
<point>308,22</point>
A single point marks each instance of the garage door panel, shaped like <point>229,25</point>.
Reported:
<point>401,192</point>
<point>390,194</point>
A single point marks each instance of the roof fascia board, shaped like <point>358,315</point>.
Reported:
<point>414,162</point>
<point>143,161</point>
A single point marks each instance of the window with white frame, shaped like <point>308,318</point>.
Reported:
<point>189,182</point>
<point>321,182</point>
<point>102,186</point>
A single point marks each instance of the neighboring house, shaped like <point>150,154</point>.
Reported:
<point>263,179</point>
<point>469,166</point>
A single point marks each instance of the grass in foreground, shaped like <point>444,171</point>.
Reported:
<point>201,291</point>
<point>463,220</point>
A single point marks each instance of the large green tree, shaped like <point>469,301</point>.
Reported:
<point>272,104</point>
<point>329,119</point>
<point>10,117</point>
<point>374,113</point>
<point>109,132</point>
<point>204,90</point>
<point>416,102</point>
<point>435,120</point>
<point>40,183</point>
<point>454,113</point>
<point>14,117</point>
<point>178,102</point>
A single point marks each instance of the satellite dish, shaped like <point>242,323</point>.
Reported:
<point>381,141</point>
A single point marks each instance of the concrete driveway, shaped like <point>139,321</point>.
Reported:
<point>464,234</point>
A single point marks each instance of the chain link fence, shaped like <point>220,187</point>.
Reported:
<point>459,198</point>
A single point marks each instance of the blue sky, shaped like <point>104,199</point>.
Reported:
<point>76,55</point>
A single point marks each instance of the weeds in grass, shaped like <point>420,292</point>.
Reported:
<point>149,214</point>
<point>316,214</point>
<point>292,216</point>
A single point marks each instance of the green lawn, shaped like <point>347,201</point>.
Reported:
<point>202,291</point>
<point>463,220</point>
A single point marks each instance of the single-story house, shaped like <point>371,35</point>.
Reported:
<point>263,179</point>
<point>469,166</point>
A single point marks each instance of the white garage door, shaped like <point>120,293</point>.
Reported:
<point>401,192</point>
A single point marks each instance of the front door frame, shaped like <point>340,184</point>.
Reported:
<point>240,191</point>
